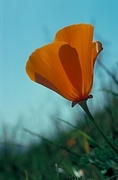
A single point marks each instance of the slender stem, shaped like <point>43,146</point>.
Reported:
<point>85,108</point>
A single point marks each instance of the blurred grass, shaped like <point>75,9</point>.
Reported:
<point>79,148</point>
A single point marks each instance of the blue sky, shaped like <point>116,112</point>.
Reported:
<point>29,24</point>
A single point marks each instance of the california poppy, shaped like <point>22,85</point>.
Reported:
<point>66,65</point>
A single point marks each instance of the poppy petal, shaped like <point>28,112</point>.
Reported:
<point>44,66</point>
<point>80,37</point>
<point>96,49</point>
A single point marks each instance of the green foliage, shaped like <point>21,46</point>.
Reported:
<point>74,150</point>
<point>79,153</point>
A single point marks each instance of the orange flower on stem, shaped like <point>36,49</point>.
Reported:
<point>66,65</point>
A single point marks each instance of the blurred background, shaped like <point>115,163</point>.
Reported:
<point>25,26</point>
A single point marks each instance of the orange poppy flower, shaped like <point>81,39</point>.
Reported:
<point>66,65</point>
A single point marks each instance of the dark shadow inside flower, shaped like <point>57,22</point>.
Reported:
<point>41,80</point>
<point>70,61</point>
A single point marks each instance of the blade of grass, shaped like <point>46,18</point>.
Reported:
<point>51,142</point>
<point>109,91</point>
<point>26,173</point>
<point>108,72</point>
<point>80,132</point>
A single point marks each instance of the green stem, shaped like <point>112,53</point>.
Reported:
<point>85,108</point>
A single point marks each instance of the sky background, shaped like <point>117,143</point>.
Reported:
<point>28,24</point>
